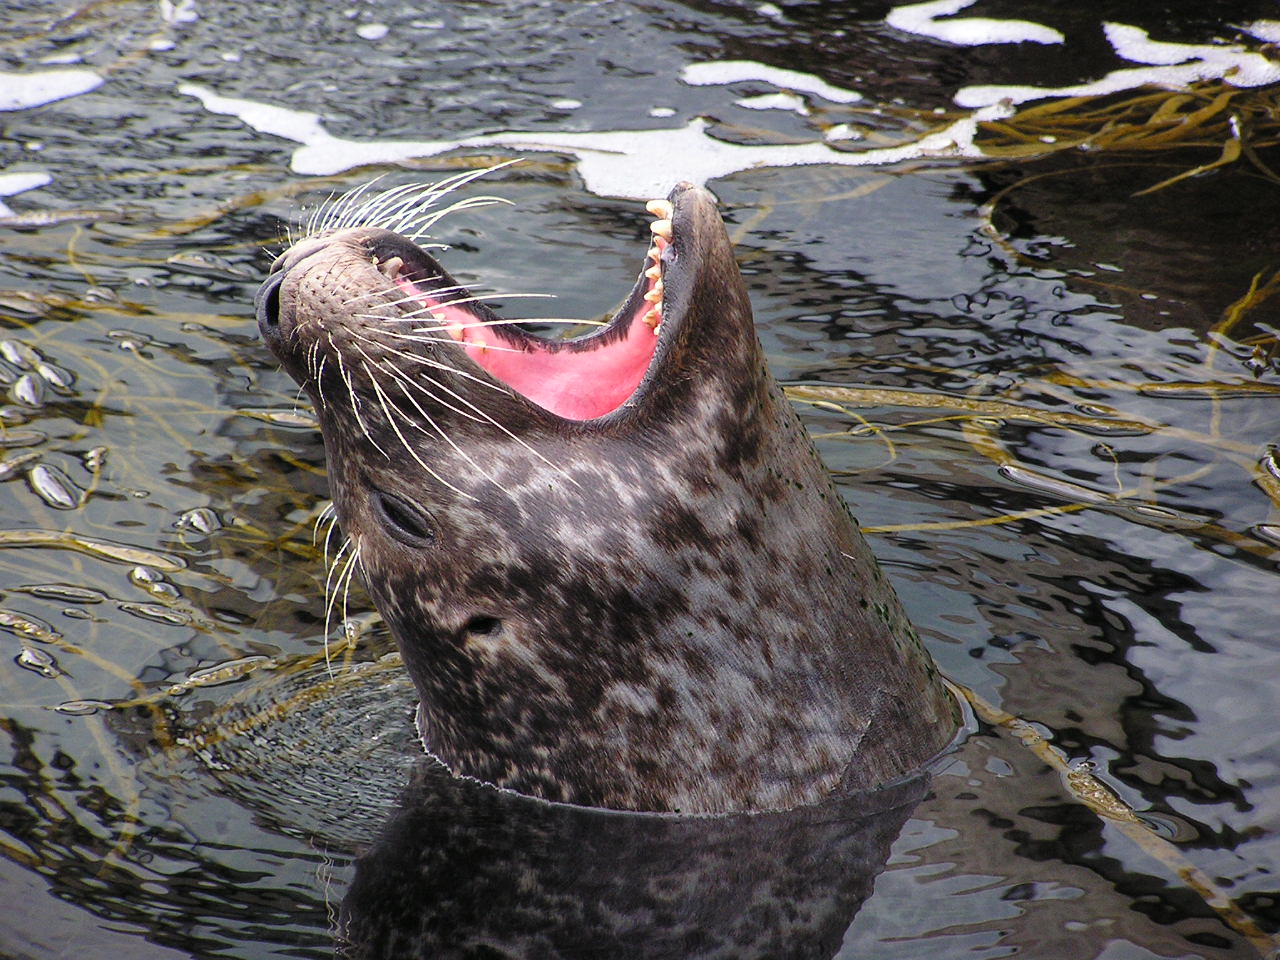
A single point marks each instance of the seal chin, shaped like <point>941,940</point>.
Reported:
<point>617,571</point>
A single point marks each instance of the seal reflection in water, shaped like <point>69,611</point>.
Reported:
<point>616,569</point>
<point>464,870</point>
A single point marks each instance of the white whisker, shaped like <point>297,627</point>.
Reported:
<point>436,292</point>
<point>409,337</point>
<point>343,214</point>
<point>435,364</point>
<point>412,209</point>
<point>391,421</point>
<point>471,203</point>
<point>319,379</point>
<point>437,428</point>
<point>500,322</point>
<point>440,305</point>
<point>355,401</point>
<point>410,206</point>
<point>571,321</point>
<point>382,209</point>
<point>401,382</point>
<point>438,365</point>
<point>489,419</point>
<point>407,298</point>
<point>329,516</point>
<point>314,220</point>
<point>330,592</point>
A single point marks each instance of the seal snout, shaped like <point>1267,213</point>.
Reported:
<point>270,305</point>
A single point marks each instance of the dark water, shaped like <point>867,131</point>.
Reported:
<point>1056,429</point>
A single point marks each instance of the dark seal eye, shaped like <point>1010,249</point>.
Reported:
<point>484,626</point>
<point>407,523</point>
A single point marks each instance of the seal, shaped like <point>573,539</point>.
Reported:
<point>617,571</point>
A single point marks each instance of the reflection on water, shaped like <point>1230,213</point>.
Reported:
<point>1046,391</point>
<point>522,877</point>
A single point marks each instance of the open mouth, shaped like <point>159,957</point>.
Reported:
<point>580,378</point>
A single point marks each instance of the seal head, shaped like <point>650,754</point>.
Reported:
<point>617,571</point>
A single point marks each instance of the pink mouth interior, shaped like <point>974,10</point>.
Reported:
<point>574,382</point>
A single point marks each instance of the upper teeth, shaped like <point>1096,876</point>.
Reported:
<point>661,230</point>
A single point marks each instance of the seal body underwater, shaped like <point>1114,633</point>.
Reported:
<point>617,571</point>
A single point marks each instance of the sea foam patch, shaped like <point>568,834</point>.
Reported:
<point>721,72</point>
<point>612,163</point>
<point>619,163</point>
<point>923,20</point>
<point>1163,64</point>
<point>11,183</point>
<point>21,91</point>
<point>1268,30</point>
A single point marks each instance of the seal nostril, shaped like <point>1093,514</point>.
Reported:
<point>408,524</point>
<point>267,302</point>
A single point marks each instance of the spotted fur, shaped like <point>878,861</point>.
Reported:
<point>666,608</point>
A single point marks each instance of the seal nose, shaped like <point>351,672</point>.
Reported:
<point>267,304</point>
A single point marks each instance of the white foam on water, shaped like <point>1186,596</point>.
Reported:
<point>179,11</point>
<point>1268,30</point>
<point>621,163</point>
<point>922,20</point>
<point>718,72</point>
<point>1164,65</point>
<point>775,101</point>
<point>612,163</point>
<point>842,131</point>
<point>297,125</point>
<point>11,183</point>
<point>21,91</point>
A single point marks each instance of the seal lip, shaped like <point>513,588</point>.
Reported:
<point>677,267</point>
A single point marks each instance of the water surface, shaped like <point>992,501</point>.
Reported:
<point>1047,395</point>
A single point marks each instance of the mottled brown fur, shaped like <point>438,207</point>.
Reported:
<point>686,615</point>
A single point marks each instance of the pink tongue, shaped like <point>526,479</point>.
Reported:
<point>577,384</point>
